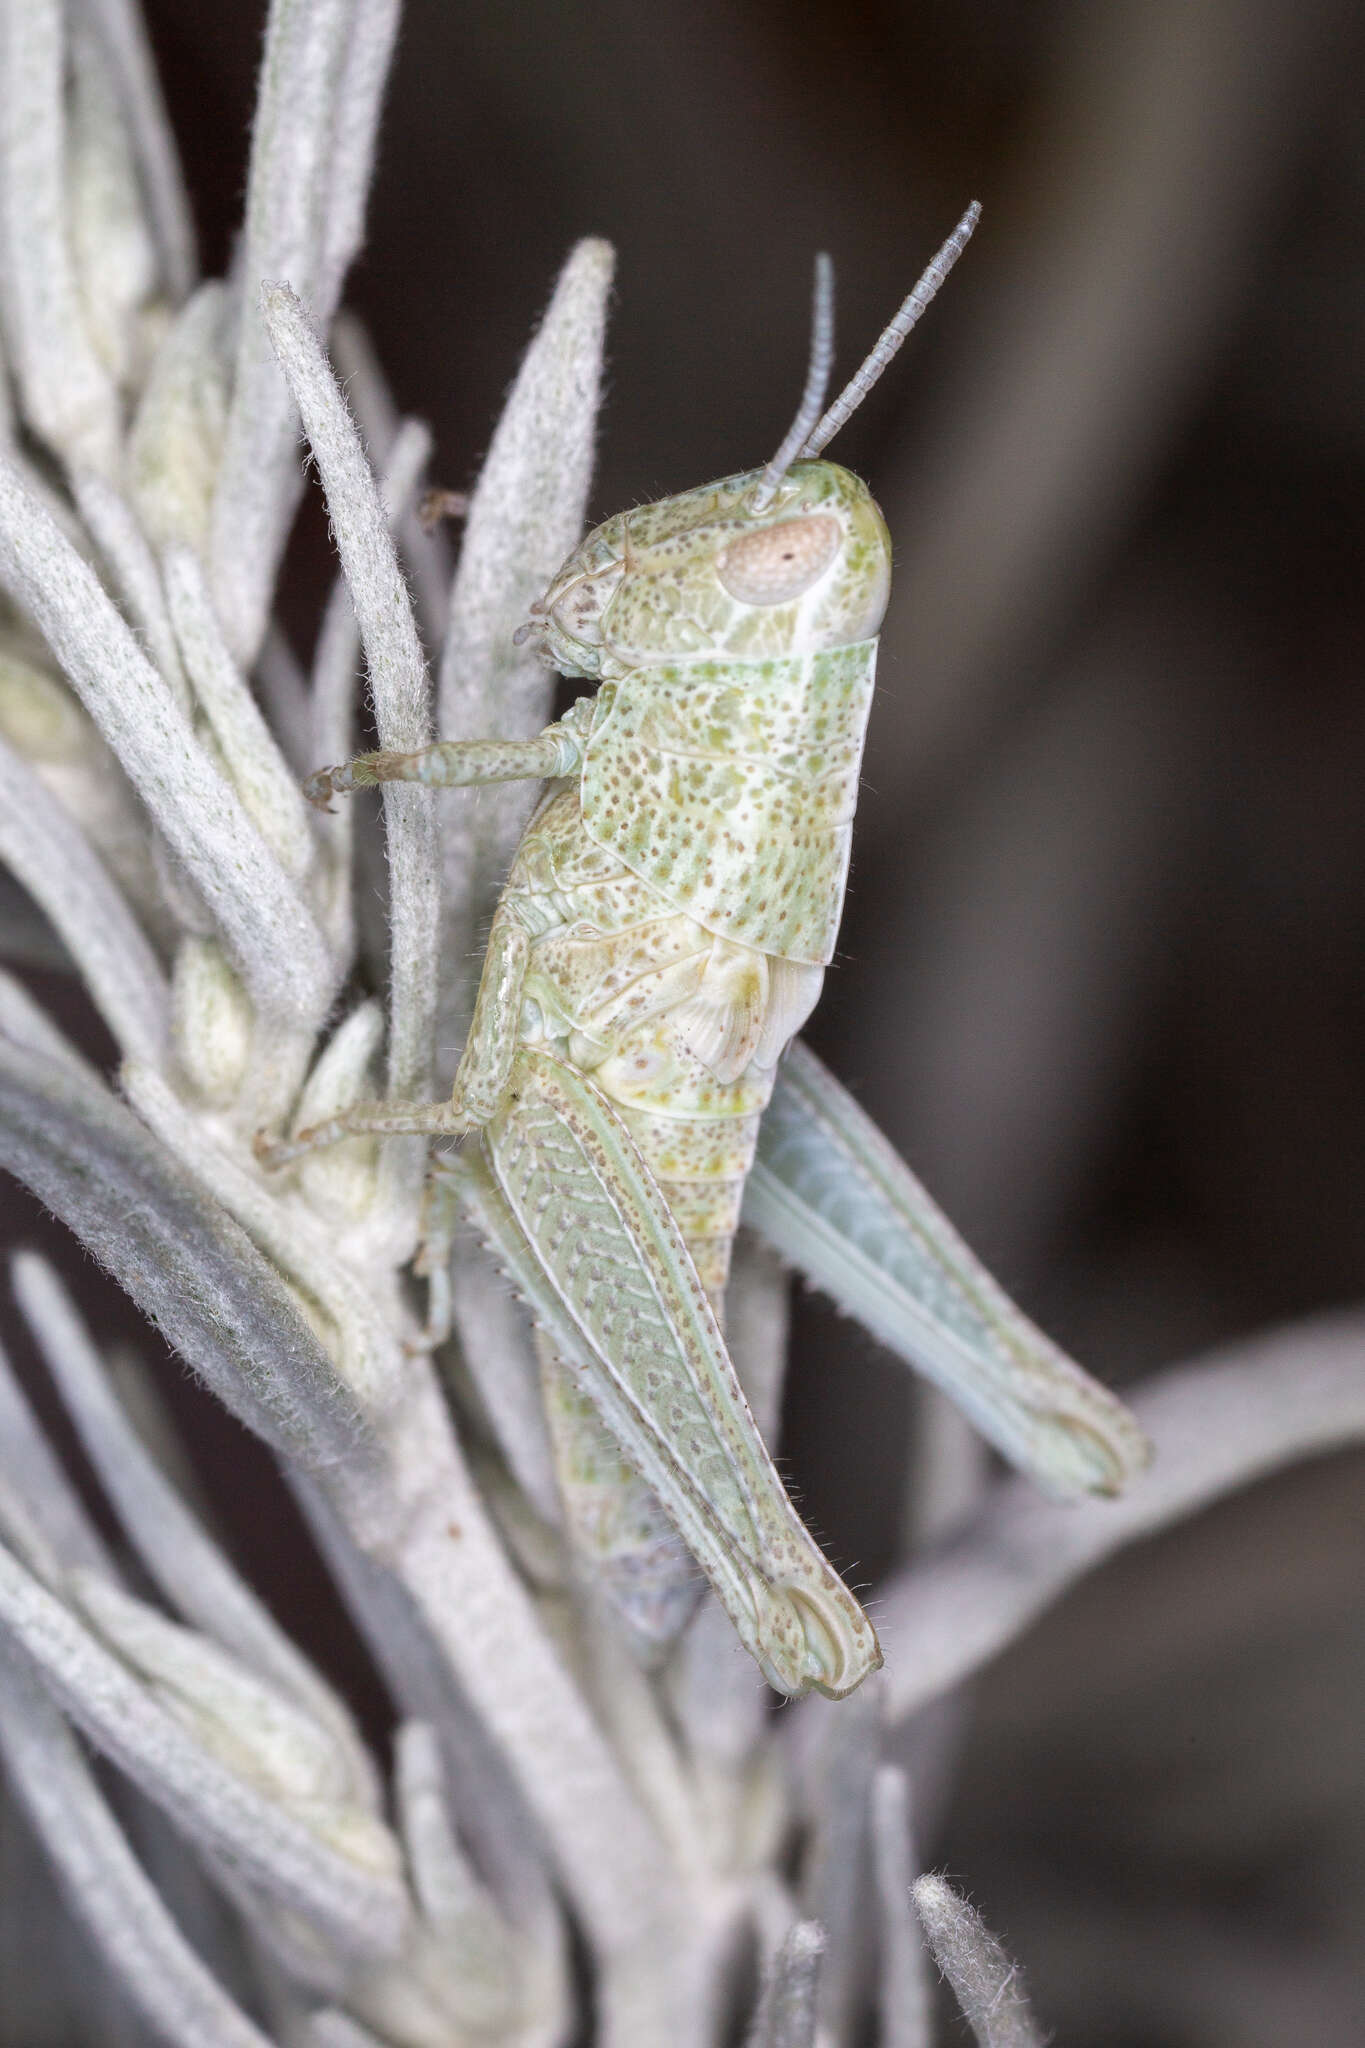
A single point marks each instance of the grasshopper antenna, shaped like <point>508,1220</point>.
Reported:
<point>817,384</point>
<point>858,386</point>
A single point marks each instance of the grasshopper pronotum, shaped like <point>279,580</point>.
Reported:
<point>662,936</point>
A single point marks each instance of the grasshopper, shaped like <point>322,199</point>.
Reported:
<point>661,938</point>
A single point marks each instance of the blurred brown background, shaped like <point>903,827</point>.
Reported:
<point>1103,973</point>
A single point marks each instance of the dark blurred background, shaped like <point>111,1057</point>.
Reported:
<point>1103,961</point>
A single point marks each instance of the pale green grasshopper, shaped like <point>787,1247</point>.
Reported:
<point>662,936</point>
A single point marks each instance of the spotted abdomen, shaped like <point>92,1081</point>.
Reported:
<point>679,1028</point>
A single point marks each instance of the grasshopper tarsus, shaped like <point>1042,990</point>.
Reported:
<point>438,504</point>
<point>320,788</point>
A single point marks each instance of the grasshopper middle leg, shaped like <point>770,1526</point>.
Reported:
<point>488,1056</point>
<point>480,1079</point>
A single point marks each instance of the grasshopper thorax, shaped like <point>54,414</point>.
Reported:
<point>705,575</point>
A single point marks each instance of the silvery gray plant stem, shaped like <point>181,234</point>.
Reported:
<point>543,1783</point>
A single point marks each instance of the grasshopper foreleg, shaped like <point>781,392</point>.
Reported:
<point>480,1079</point>
<point>367,1119</point>
<point>454,764</point>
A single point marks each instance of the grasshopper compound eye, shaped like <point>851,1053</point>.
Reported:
<point>779,562</point>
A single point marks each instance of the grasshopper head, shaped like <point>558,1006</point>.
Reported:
<point>789,559</point>
<point>705,574</point>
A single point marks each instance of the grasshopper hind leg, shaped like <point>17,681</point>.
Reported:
<point>626,1546</point>
<point>826,1659</point>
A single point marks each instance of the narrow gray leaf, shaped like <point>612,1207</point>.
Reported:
<point>525,515</point>
<point>986,1983</point>
<point>787,2013</point>
<point>67,395</point>
<point>355,128</point>
<point>903,1993</point>
<point>259,483</point>
<point>266,924</point>
<point>1216,1425</point>
<point>191,1270</point>
<point>32,1469</point>
<point>106,1885</point>
<point>836,1887</point>
<point>358,1906</point>
<point>177,1553</point>
<point>119,26</point>
<point>46,850</point>
<point>398,678</point>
